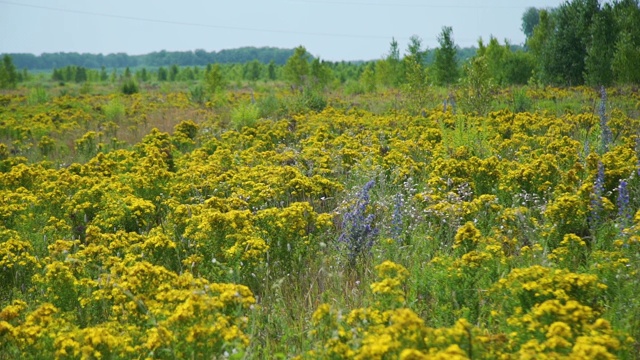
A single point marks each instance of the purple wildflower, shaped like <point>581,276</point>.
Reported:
<point>624,213</point>
<point>359,232</point>
<point>596,196</point>
<point>605,132</point>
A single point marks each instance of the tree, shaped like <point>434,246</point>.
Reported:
<point>129,86</point>
<point>495,57</point>
<point>162,74</point>
<point>142,75</point>
<point>57,75</point>
<point>8,73</point>
<point>626,58</point>
<point>389,69</point>
<point>518,67</point>
<point>214,79</point>
<point>541,33</point>
<point>569,43</point>
<point>478,89</point>
<point>24,76</point>
<point>560,42</point>
<point>600,50</point>
<point>186,74</point>
<point>368,77</point>
<point>252,70</point>
<point>69,73</point>
<point>103,74</point>
<point>626,61</point>
<point>320,73</point>
<point>414,72</point>
<point>296,69</point>
<point>445,64</point>
<point>530,18</point>
<point>80,74</point>
<point>414,49</point>
<point>271,70</point>
<point>538,42</point>
<point>173,72</point>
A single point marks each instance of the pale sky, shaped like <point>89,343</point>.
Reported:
<point>330,29</point>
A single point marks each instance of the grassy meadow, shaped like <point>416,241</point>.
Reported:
<point>263,222</point>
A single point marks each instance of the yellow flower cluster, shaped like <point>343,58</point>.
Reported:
<point>372,333</point>
<point>390,285</point>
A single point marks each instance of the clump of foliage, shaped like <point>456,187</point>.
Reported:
<point>129,86</point>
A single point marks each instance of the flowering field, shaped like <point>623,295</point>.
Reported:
<point>147,226</point>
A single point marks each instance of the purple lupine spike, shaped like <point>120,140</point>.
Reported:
<point>605,132</point>
<point>596,196</point>
<point>623,201</point>
<point>359,232</point>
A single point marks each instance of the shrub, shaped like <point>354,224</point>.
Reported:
<point>197,94</point>
<point>129,87</point>
<point>244,115</point>
<point>37,95</point>
<point>114,110</point>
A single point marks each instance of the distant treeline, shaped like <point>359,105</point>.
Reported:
<point>264,55</point>
<point>48,61</point>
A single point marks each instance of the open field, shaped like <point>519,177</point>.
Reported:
<point>267,223</point>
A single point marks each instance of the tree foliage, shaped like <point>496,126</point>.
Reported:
<point>48,61</point>
<point>626,61</point>
<point>76,74</point>
<point>567,64</point>
<point>583,41</point>
<point>8,73</point>
<point>214,79</point>
<point>478,86</point>
<point>530,19</point>
<point>368,78</point>
<point>626,58</point>
<point>162,74</point>
<point>389,69</point>
<point>129,86</point>
<point>320,73</point>
<point>598,62</point>
<point>296,70</point>
<point>271,70</point>
<point>416,84</point>
<point>252,70</point>
<point>173,72</point>
<point>445,64</point>
<point>504,65</point>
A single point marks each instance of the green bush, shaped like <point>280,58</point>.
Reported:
<point>521,102</point>
<point>197,95</point>
<point>269,106</point>
<point>129,87</point>
<point>37,95</point>
<point>244,115</point>
<point>314,100</point>
<point>114,110</point>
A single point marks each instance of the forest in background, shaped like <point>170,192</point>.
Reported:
<point>50,61</point>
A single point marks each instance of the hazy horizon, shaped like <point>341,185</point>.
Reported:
<point>331,30</point>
